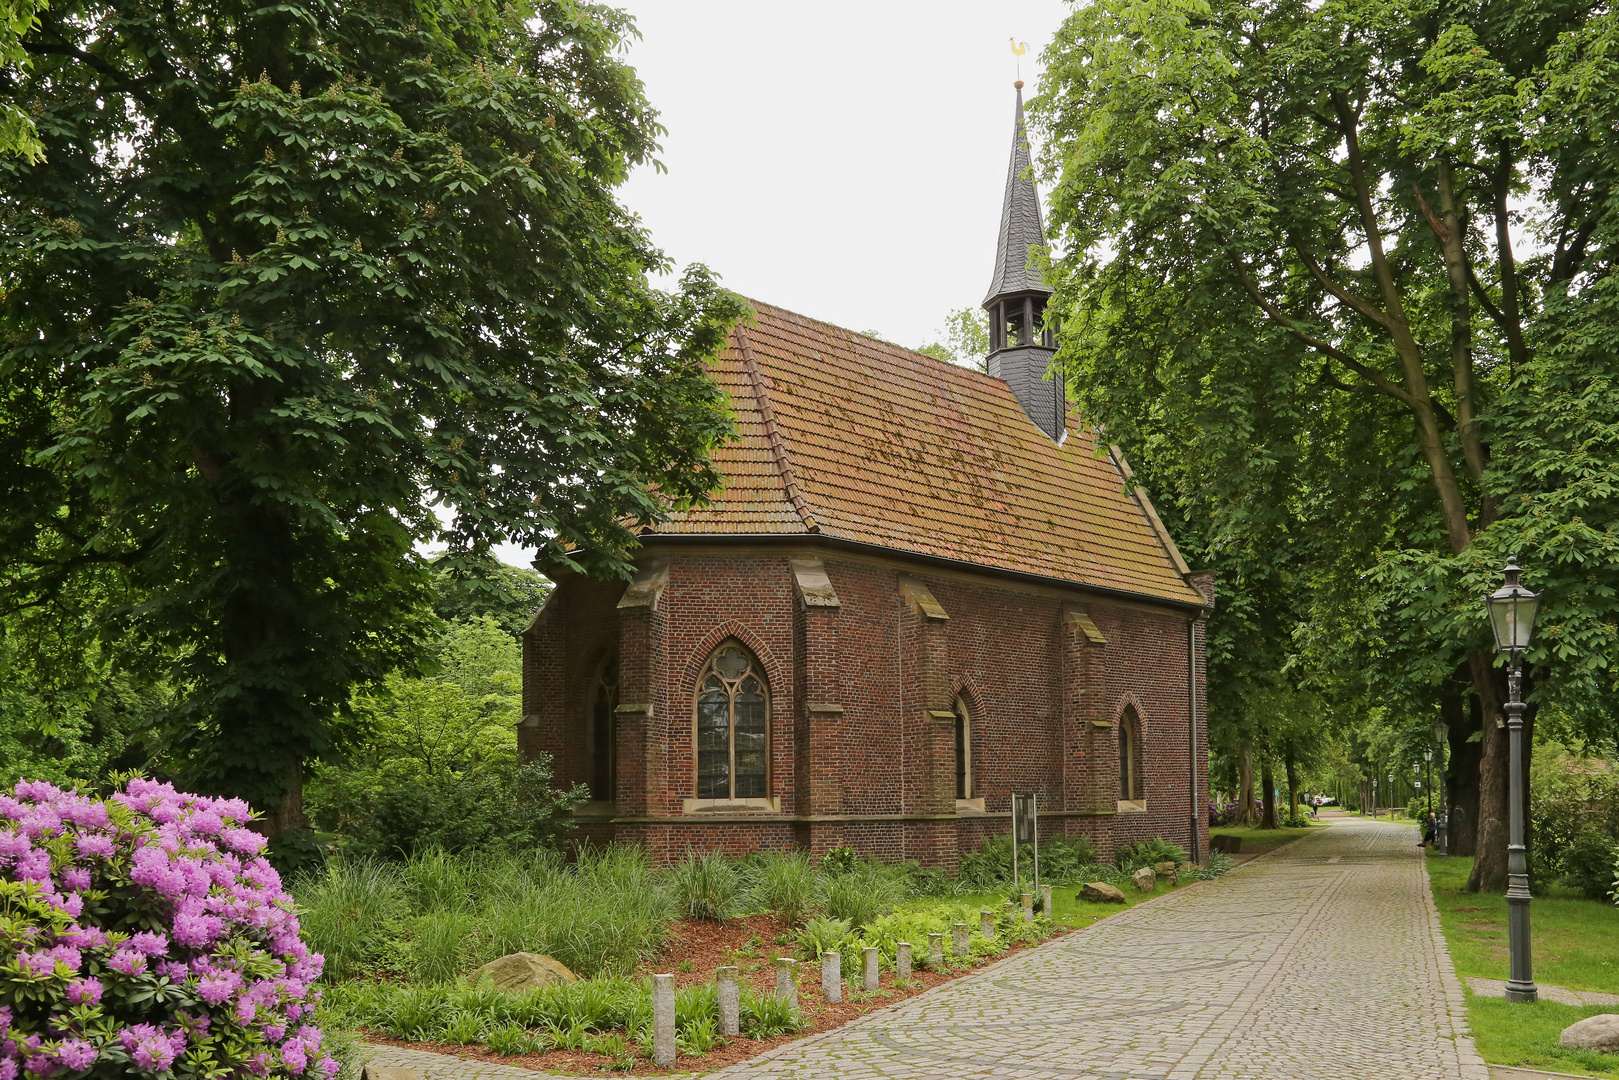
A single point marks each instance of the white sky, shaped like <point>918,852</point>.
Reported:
<point>843,160</point>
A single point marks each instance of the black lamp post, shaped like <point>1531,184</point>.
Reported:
<point>1512,618</point>
<point>1427,757</point>
<point>1441,733</point>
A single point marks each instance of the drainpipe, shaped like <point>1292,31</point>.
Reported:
<point>1191,685</point>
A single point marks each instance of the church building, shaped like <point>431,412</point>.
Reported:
<point>922,589</point>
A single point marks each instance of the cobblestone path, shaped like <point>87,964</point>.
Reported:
<point>1323,961</point>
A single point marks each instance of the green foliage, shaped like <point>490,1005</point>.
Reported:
<point>288,278</point>
<point>469,589</point>
<point>964,339</point>
<point>440,915</point>
<point>764,1016</point>
<point>1289,291</point>
<point>788,884</point>
<point>17,133</point>
<point>1062,859</point>
<point>1130,857</point>
<point>1574,818</point>
<point>840,860</point>
<point>440,766</point>
<point>824,934</point>
<point>865,892</point>
<point>707,886</point>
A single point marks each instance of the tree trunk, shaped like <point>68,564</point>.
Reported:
<point>1290,763</point>
<point>289,812</point>
<point>1490,858</point>
<point>1246,817</point>
<point>1265,778</point>
<point>1462,713</point>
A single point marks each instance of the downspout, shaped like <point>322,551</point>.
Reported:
<point>1191,683</point>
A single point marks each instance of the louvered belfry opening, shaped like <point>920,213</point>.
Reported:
<point>1021,344</point>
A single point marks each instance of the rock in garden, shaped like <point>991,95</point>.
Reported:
<point>1168,871</point>
<point>1145,879</point>
<point>524,971</point>
<point>1100,892</point>
<point>1593,1033</point>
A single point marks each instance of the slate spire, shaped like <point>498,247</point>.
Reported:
<point>1021,225</point>
<point>1021,346</point>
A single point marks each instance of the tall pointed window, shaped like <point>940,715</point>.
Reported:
<point>1130,787</point>
<point>604,733</point>
<point>964,751</point>
<point>733,727</point>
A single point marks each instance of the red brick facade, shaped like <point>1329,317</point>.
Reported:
<point>864,668</point>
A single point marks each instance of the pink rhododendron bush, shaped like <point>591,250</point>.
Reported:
<point>146,935</point>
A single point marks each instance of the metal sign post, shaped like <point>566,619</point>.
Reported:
<point>1026,830</point>
<point>1034,827</point>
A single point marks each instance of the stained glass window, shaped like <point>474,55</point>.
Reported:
<point>604,733</point>
<point>733,728</point>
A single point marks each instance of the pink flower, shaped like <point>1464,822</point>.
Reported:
<point>94,844</point>
<point>330,1067</point>
<point>85,991</point>
<point>127,961</point>
<point>76,1054</point>
<point>8,1069</point>
<point>148,1046</point>
<point>149,943</point>
<point>38,964</point>
<point>245,841</point>
<point>217,989</point>
<point>294,1057</point>
<point>274,1032</point>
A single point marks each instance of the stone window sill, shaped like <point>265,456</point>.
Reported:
<point>1132,806</point>
<point>973,806</point>
<point>596,808</point>
<point>731,806</point>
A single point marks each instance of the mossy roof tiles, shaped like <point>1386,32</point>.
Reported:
<point>853,438</point>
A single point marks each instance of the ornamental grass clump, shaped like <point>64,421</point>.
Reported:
<point>146,935</point>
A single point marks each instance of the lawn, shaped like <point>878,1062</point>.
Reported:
<point>1575,943</point>
<point>1069,910</point>
<point>1257,841</point>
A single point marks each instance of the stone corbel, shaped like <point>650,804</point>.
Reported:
<point>814,586</point>
<point>645,590</point>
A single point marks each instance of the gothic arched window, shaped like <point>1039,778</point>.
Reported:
<point>964,751</point>
<point>604,732</point>
<point>1130,757</point>
<point>733,727</point>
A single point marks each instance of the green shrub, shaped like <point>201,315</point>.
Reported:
<point>788,884</point>
<point>706,887</point>
<point>824,935</point>
<point>764,1016</point>
<point>1588,863</point>
<point>347,911</point>
<point>438,944</point>
<point>865,892</point>
<point>840,860</point>
<point>1130,857</point>
<point>1574,812</point>
<point>990,867</point>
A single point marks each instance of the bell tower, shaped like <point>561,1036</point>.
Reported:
<point>1021,345</point>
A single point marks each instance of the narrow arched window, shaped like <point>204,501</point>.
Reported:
<point>1129,757</point>
<point>604,732</point>
<point>964,751</point>
<point>733,727</point>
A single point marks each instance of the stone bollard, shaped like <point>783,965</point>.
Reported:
<point>663,1019</point>
<point>832,977</point>
<point>786,984</point>
<point>730,1001</point>
<point>902,961</point>
<point>868,964</point>
<point>960,942</point>
<point>1045,900</point>
<point>935,951</point>
<point>1028,907</point>
<point>986,923</point>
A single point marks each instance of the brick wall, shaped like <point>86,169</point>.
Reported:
<point>861,749</point>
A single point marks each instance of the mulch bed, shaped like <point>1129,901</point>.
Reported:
<point>692,952</point>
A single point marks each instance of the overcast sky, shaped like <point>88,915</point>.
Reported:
<point>843,160</point>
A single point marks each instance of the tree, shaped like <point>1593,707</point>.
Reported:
<point>291,274</point>
<point>964,339</point>
<point>510,595</point>
<point>1342,180</point>
<point>17,134</point>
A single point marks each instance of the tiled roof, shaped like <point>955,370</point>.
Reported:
<point>1021,228</point>
<point>848,437</point>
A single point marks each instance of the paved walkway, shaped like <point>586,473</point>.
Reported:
<point>1323,960</point>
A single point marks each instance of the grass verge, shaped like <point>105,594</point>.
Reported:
<point>1256,841</point>
<point>1575,944</point>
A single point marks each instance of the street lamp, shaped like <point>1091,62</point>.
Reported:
<point>1512,611</point>
<point>1427,757</point>
<point>1441,733</point>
